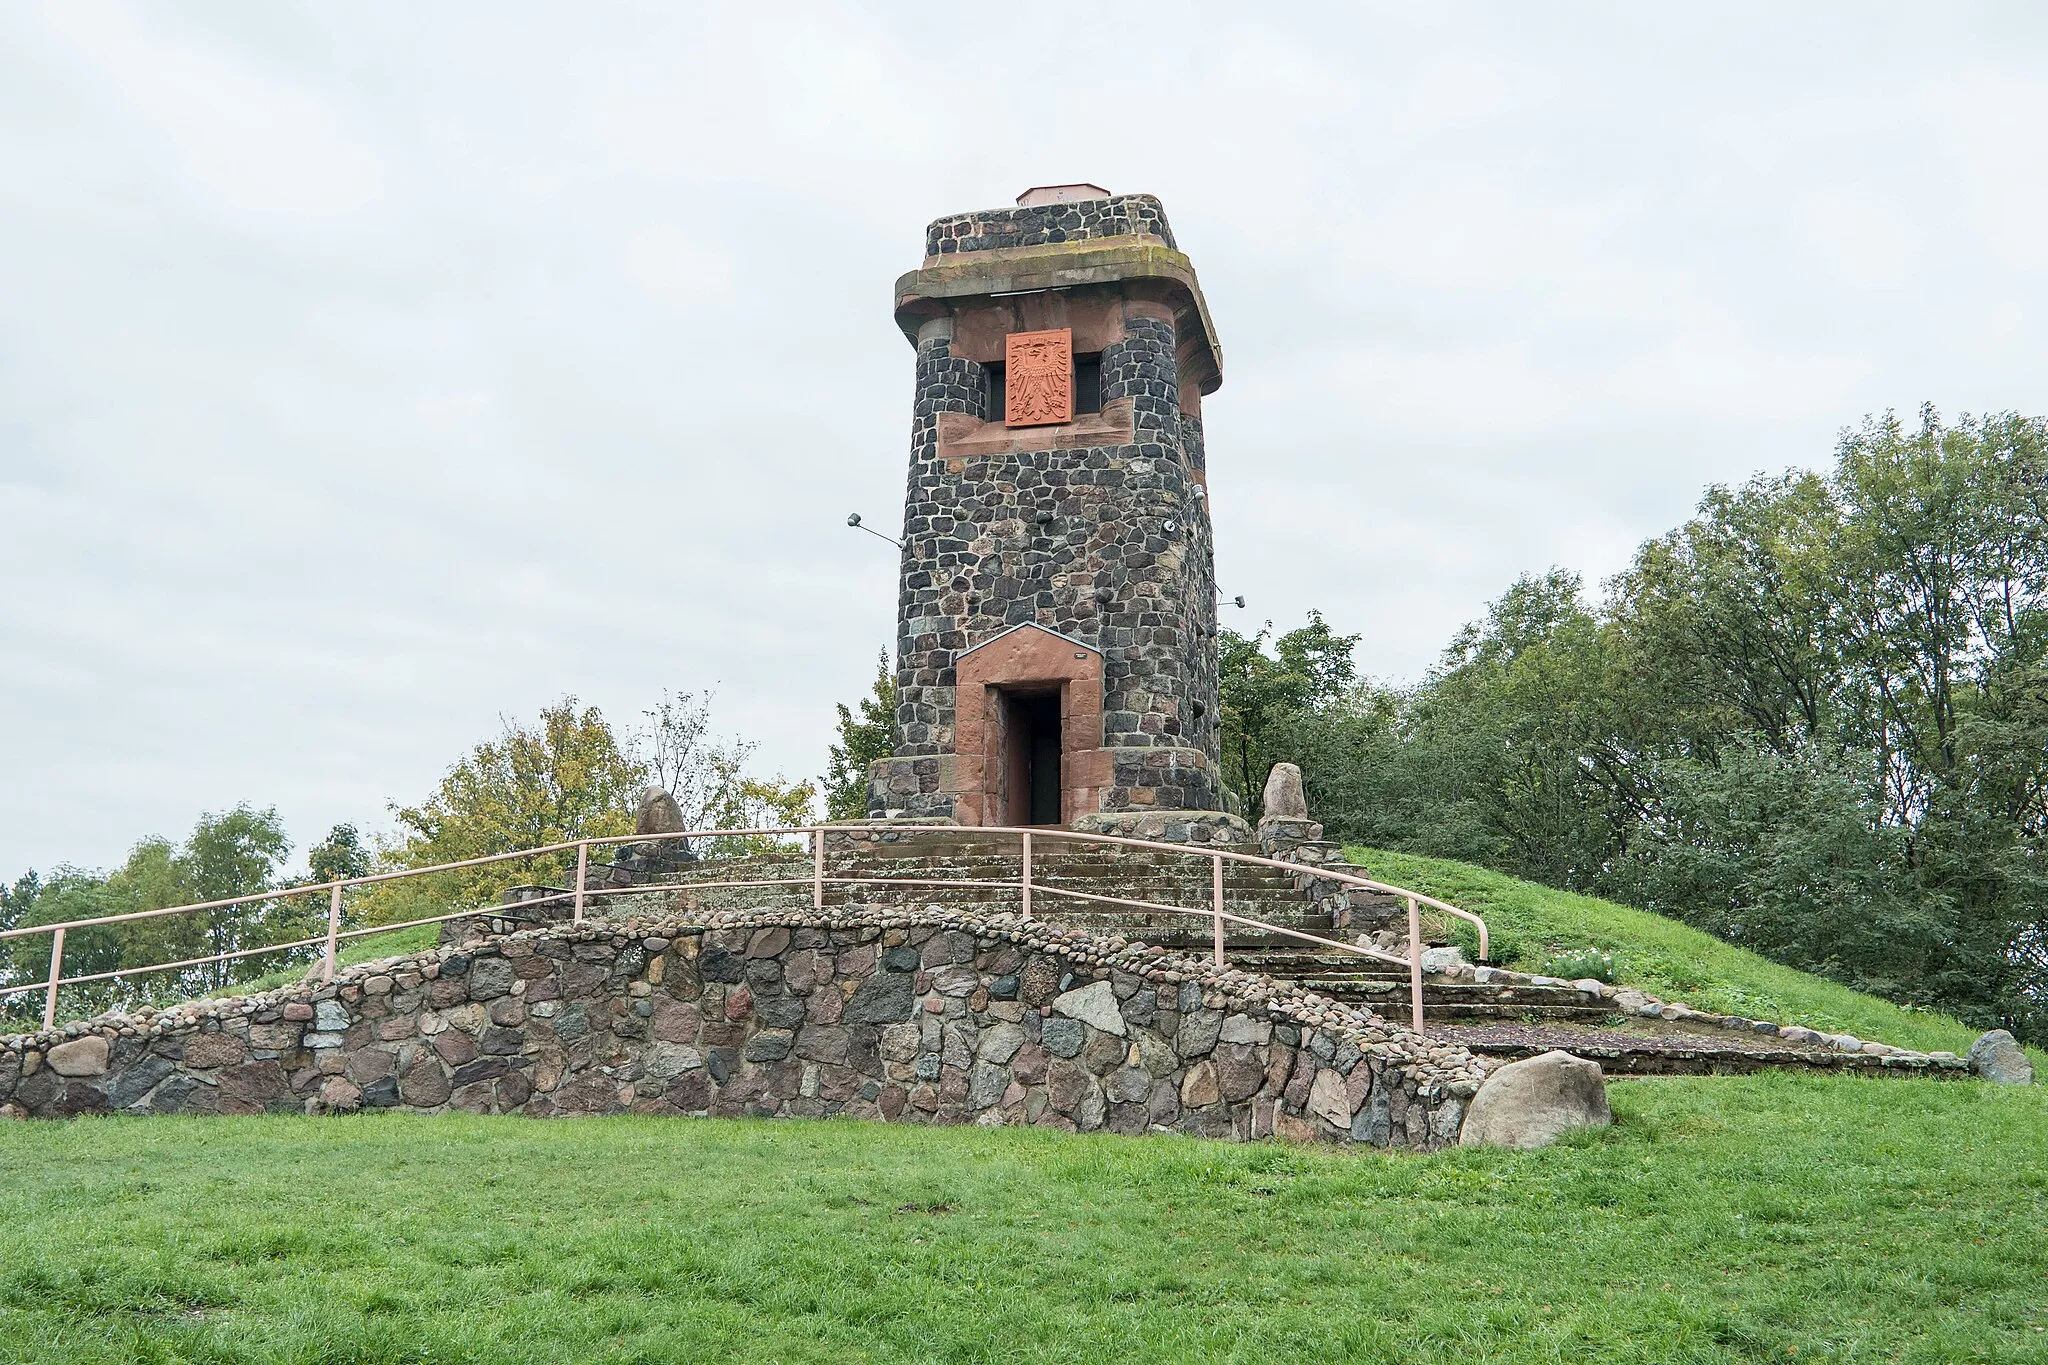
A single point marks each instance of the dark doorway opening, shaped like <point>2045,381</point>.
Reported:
<point>1031,753</point>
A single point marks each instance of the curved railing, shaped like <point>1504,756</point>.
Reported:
<point>1028,885</point>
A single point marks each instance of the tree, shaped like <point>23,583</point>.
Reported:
<point>234,853</point>
<point>1726,623</point>
<point>709,777</point>
<point>1813,719</point>
<point>1526,725</point>
<point>16,900</point>
<point>1264,694</point>
<point>563,779</point>
<point>229,854</point>
<point>339,857</point>
<point>861,742</point>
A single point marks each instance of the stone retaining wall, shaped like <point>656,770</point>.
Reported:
<point>880,1014</point>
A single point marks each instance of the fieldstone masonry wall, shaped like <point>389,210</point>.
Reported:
<point>1119,215</point>
<point>1076,541</point>
<point>888,1015</point>
<point>1103,538</point>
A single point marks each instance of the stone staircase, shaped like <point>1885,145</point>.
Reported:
<point>941,870</point>
<point>956,871</point>
<point>951,865</point>
<point>1383,988</point>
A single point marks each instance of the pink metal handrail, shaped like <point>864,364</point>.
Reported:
<point>816,835</point>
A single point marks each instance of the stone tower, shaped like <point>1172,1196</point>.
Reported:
<point>1056,631</point>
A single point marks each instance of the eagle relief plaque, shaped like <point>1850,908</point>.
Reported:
<point>1038,378</point>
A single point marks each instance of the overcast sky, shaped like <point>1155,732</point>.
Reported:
<point>371,371</point>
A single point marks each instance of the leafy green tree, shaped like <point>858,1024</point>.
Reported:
<point>1726,623</point>
<point>15,900</point>
<point>228,854</point>
<point>564,778</point>
<point>862,740</point>
<point>711,778</point>
<point>1814,719</point>
<point>1264,695</point>
<point>1526,726</point>
<point>1788,854</point>
<point>339,857</point>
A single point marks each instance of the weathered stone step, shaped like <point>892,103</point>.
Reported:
<point>1641,1057</point>
<point>1377,988</point>
<point>1470,1011</point>
<point>1285,963</point>
<point>1251,881</point>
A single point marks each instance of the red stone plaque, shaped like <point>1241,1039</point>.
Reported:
<point>1038,378</point>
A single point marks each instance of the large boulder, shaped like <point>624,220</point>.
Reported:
<point>1999,1058</point>
<point>1531,1103</point>
<point>1283,799</point>
<point>1440,961</point>
<point>659,814</point>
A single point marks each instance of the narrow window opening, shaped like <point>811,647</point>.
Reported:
<point>1087,387</point>
<point>1087,384</point>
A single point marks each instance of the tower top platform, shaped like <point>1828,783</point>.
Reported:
<point>1119,242</point>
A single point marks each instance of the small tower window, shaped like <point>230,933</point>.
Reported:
<point>1087,386</point>
<point>1087,383</point>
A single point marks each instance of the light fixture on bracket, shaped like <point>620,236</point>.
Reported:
<point>853,520</point>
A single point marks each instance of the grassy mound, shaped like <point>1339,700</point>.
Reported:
<point>1529,923</point>
<point>368,948</point>
<point>1720,1220</point>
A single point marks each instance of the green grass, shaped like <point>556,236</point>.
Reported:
<point>1776,1217</point>
<point>1529,922</point>
<point>368,948</point>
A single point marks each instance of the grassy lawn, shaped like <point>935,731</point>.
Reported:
<point>1761,1218</point>
<point>1668,959</point>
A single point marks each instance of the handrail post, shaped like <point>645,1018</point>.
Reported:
<point>56,973</point>
<point>1415,965</point>
<point>582,867</point>
<point>1216,898</point>
<point>818,868</point>
<point>333,931</point>
<point>1027,874</point>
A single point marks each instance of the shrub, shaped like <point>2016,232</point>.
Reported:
<point>1580,964</point>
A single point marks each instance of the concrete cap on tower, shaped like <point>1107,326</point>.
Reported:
<point>1039,195</point>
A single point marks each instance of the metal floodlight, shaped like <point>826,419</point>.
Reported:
<point>853,520</point>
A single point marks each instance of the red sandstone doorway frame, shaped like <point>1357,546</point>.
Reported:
<point>1026,659</point>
